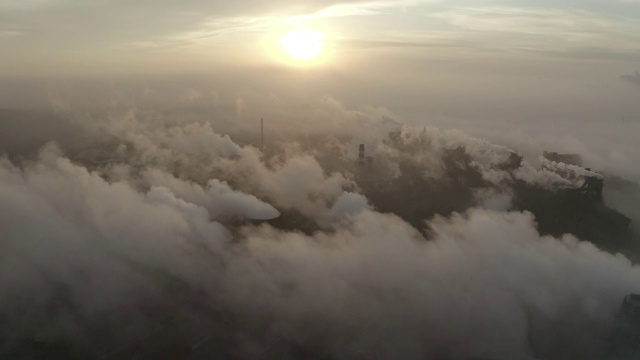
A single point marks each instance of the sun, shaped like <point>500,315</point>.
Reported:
<point>303,45</point>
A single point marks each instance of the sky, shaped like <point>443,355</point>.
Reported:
<point>514,71</point>
<point>70,36</point>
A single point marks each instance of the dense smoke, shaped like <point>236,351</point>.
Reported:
<point>171,240</point>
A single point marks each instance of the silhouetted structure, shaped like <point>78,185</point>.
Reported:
<point>625,337</point>
<point>559,210</point>
<point>579,210</point>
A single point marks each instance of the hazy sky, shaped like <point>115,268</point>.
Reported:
<point>553,68</point>
<point>68,36</point>
<point>73,37</point>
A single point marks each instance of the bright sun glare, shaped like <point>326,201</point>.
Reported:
<point>303,45</point>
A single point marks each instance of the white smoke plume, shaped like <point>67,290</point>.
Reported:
<point>217,197</point>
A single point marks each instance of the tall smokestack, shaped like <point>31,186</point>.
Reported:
<point>361,154</point>
<point>262,134</point>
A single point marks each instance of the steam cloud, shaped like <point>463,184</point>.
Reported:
<point>147,254</point>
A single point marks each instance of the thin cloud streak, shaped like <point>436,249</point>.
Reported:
<point>365,8</point>
<point>543,28</point>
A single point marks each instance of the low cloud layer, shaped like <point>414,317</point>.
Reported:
<point>161,250</point>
